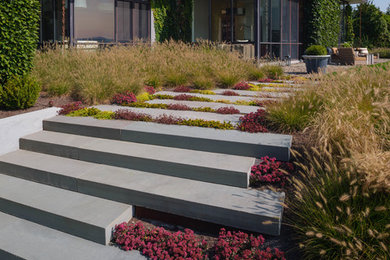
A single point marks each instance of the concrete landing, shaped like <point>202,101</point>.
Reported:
<point>77,214</point>
<point>253,210</point>
<point>196,138</point>
<point>196,165</point>
<point>21,239</point>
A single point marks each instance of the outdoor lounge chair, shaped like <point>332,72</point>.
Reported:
<point>347,56</point>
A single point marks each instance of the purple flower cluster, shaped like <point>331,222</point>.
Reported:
<point>253,122</point>
<point>68,108</point>
<point>270,171</point>
<point>158,243</point>
<point>183,97</point>
<point>123,98</point>
<point>125,114</point>
<point>239,245</point>
<point>230,93</point>
<point>242,86</point>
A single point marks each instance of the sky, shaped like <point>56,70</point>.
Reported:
<point>382,4</point>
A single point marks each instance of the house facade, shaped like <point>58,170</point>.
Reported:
<point>269,27</point>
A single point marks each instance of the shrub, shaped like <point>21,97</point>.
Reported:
<point>19,92</point>
<point>272,71</point>
<point>124,98</point>
<point>150,90</point>
<point>230,93</point>
<point>19,23</point>
<point>253,122</point>
<point>316,50</point>
<point>255,73</point>
<point>270,171</point>
<point>242,86</point>
<point>383,52</point>
<point>182,89</point>
<point>67,109</point>
<point>239,245</point>
<point>227,110</point>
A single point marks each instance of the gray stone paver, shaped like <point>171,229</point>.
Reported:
<point>214,97</point>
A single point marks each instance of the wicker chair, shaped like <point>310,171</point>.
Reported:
<point>347,56</point>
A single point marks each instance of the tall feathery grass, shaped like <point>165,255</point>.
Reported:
<point>341,207</point>
<point>94,76</point>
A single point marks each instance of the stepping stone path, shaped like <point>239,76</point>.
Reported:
<point>62,193</point>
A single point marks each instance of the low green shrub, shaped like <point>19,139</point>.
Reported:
<point>272,71</point>
<point>19,92</point>
<point>316,50</point>
<point>92,112</point>
<point>255,73</point>
<point>383,52</point>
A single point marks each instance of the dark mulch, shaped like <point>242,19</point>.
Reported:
<point>42,102</point>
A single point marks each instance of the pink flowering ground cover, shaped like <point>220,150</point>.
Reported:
<point>123,98</point>
<point>159,243</point>
<point>71,107</point>
<point>254,122</point>
<point>270,171</point>
<point>150,90</point>
<point>242,86</point>
<point>230,93</point>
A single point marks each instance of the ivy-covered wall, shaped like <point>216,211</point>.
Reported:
<point>321,22</point>
<point>173,19</point>
<point>19,26</point>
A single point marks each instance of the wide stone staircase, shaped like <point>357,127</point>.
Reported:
<point>67,187</point>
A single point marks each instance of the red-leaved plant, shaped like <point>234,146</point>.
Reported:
<point>270,171</point>
<point>227,110</point>
<point>158,243</point>
<point>253,122</point>
<point>68,108</point>
<point>182,89</point>
<point>178,107</point>
<point>239,245</point>
<point>150,90</point>
<point>124,98</point>
<point>230,93</point>
<point>266,80</point>
<point>125,114</point>
<point>242,86</point>
<point>183,97</point>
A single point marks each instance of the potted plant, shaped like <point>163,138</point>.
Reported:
<point>316,59</point>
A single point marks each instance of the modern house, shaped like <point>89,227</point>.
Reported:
<point>270,26</point>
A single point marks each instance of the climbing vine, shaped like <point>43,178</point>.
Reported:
<point>322,22</point>
<point>172,19</point>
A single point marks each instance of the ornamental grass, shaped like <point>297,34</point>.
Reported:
<point>95,76</point>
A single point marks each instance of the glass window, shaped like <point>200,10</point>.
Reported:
<point>294,20</point>
<point>275,20</point>
<point>201,19</point>
<point>286,26</point>
<point>94,20</point>
<point>265,20</point>
<point>51,21</point>
<point>221,25</point>
<point>244,21</point>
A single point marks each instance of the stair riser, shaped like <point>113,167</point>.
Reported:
<point>237,219</point>
<point>185,142</point>
<point>70,226</point>
<point>212,175</point>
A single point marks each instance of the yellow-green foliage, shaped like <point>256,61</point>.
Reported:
<point>95,76</point>
<point>204,92</point>
<point>144,97</point>
<point>92,112</point>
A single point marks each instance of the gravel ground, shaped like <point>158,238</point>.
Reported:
<point>42,102</point>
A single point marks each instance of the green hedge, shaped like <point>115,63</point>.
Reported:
<point>173,19</point>
<point>19,23</point>
<point>322,22</point>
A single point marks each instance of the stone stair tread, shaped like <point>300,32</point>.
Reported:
<point>215,97</point>
<point>199,104</point>
<point>155,112</point>
<point>23,239</point>
<point>160,153</point>
<point>71,207</point>
<point>226,205</point>
<point>259,94</point>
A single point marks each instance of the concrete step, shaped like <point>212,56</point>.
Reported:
<point>196,138</point>
<point>176,113</point>
<point>257,93</point>
<point>253,210</point>
<point>198,104</point>
<point>197,165</point>
<point>215,97</point>
<point>74,213</point>
<point>22,239</point>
